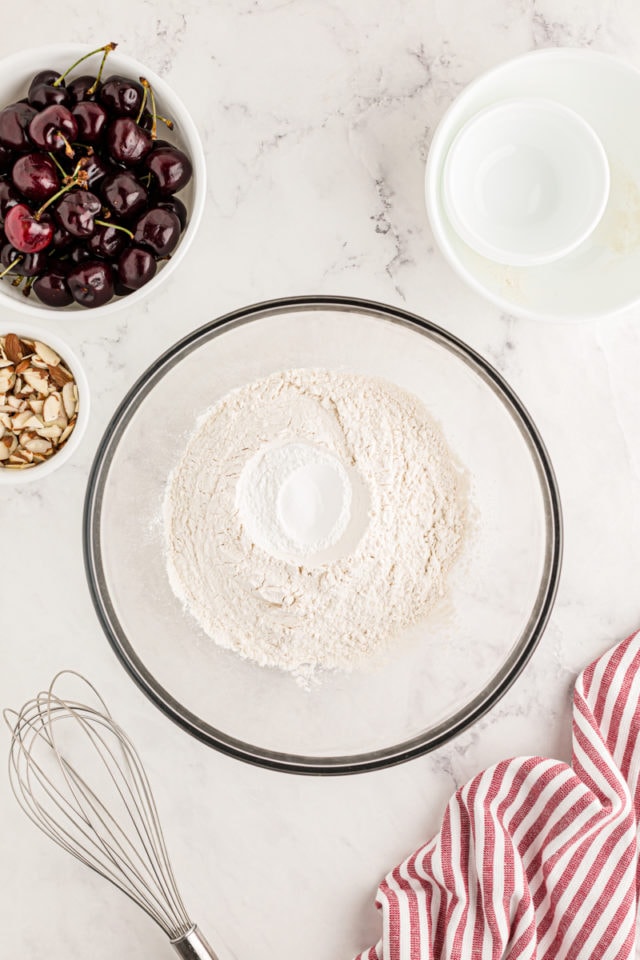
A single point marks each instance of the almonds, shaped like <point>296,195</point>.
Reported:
<point>51,408</point>
<point>38,402</point>
<point>13,348</point>
<point>59,375</point>
<point>45,353</point>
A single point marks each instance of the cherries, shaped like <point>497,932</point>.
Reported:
<point>127,142</point>
<point>54,128</point>
<point>171,169</point>
<point>35,176</point>
<point>27,234</point>
<point>121,95</point>
<point>76,212</point>
<point>125,195</point>
<point>88,203</point>
<point>158,230</point>
<point>91,283</point>
<point>14,126</point>
<point>91,119</point>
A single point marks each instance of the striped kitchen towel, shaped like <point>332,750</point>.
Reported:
<point>535,859</point>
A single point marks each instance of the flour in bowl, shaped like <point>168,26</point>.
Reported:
<point>312,517</point>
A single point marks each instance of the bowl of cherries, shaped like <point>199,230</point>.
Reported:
<point>102,180</point>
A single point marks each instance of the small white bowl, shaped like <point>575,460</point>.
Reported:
<point>16,72</point>
<point>32,332</point>
<point>525,181</point>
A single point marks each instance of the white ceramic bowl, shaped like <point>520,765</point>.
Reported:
<point>33,332</point>
<point>525,181</point>
<point>16,72</point>
<point>601,278</point>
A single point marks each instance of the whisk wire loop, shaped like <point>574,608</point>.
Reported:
<point>128,849</point>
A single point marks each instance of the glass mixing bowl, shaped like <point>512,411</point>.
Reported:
<point>440,677</point>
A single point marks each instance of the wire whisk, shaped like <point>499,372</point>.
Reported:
<point>78,777</point>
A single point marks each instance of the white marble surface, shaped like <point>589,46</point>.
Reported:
<point>316,118</point>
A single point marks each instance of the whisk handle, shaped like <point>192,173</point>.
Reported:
<point>193,946</point>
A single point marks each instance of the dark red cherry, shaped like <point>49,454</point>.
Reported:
<point>76,210</point>
<point>176,206</point>
<point>14,126</point>
<point>53,128</point>
<point>158,230</point>
<point>91,283</point>
<point>136,267</point>
<point>29,265</point>
<point>45,76</point>
<point>107,241</point>
<point>9,196</point>
<point>91,119</point>
<point>121,96</point>
<point>170,167</point>
<point>127,143</point>
<point>7,159</point>
<point>27,234</point>
<point>43,93</point>
<point>51,287</point>
<point>35,175</point>
<point>79,89</point>
<point>97,169</point>
<point>125,195</point>
<point>62,239</point>
<point>79,253</point>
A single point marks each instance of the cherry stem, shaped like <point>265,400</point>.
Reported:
<point>26,290</point>
<point>58,165</point>
<point>74,179</point>
<point>154,114</point>
<point>105,50</point>
<point>11,266</point>
<point>18,280</point>
<point>165,120</point>
<point>68,149</point>
<point>116,226</point>
<point>144,100</point>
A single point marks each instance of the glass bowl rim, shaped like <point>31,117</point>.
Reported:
<point>297,763</point>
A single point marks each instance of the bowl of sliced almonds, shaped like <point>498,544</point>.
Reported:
<point>44,403</point>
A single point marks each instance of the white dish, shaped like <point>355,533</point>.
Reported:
<point>525,181</point>
<point>602,276</point>
<point>15,73</point>
<point>13,478</point>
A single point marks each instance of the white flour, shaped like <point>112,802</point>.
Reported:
<point>312,517</point>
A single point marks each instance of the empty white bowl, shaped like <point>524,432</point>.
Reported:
<point>525,181</point>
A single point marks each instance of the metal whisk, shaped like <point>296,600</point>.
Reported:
<point>78,777</point>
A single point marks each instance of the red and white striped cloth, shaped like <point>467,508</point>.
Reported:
<point>534,859</point>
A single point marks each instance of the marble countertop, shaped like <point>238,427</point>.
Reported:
<point>316,120</point>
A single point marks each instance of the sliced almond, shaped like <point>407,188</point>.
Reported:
<point>20,420</point>
<point>7,379</point>
<point>13,348</point>
<point>70,398</point>
<point>22,366</point>
<point>45,353</point>
<point>38,445</point>
<point>51,408</point>
<point>66,433</point>
<point>59,375</point>
<point>36,405</point>
<point>37,379</point>
<point>52,432</point>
